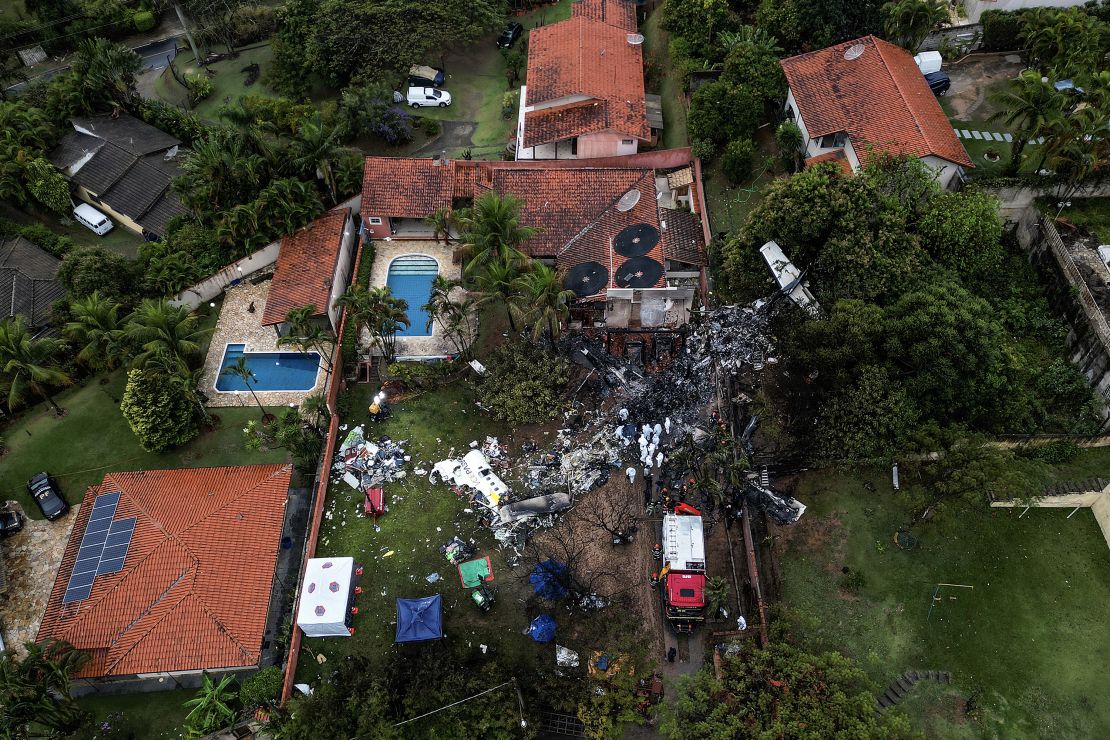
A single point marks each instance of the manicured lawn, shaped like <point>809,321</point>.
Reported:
<point>730,205</point>
<point>669,85</point>
<point>118,240</point>
<point>1028,642</point>
<point>159,714</point>
<point>229,82</point>
<point>421,518</point>
<point>94,438</point>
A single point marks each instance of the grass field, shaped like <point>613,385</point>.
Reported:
<point>118,240</point>
<point>228,83</point>
<point>422,517</point>
<point>1091,213</point>
<point>1028,642</point>
<point>669,86</point>
<point>94,438</point>
<point>160,714</point>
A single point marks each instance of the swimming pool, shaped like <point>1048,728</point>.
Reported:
<point>273,371</point>
<point>410,277</point>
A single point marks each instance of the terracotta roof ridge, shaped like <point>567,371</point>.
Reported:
<point>231,636</point>
<point>112,642</point>
<point>901,91</point>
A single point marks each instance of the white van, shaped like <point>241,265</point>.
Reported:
<point>97,222</point>
<point>428,97</point>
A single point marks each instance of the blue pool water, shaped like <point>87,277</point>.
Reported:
<point>410,277</point>
<point>273,371</point>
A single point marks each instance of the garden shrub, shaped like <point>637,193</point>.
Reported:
<point>419,375</point>
<point>429,126</point>
<point>1058,452</point>
<point>87,269</point>
<point>737,160</point>
<point>157,410</point>
<point>200,87</point>
<point>524,384</point>
<point>703,149</point>
<point>171,119</point>
<point>262,688</point>
<point>38,235</point>
<point>788,138</point>
<point>1001,29</point>
<point>144,20</point>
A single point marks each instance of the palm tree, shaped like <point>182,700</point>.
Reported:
<point>908,22</point>
<point>492,231</point>
<point>441,221</point>
<point>96,327</point>
<point>36,689</point>
<point>30,127</point>
<point>716,593</point>
<point>28,363</point>
<point>1029,107</point>
<point>753,35</point>
<point>160,330</point>
<point>107,71</point>
<point>307,334</point>
<point>211,709</point>
<point>240,370</point>
<point>498,283</point>
<point>543,300</point>
<point>315,150</point>
<point>190,382</point>
<point>315,410</point>
<point>457,318</point>
<point>377,312</point>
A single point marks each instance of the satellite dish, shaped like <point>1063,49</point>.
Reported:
<point>586,279</point>
<point>639,272</point>
<point>170,153</point>
<point>855,51</point>
<point>628,201</point>
<point>635,39</point>
<point>636,240</point>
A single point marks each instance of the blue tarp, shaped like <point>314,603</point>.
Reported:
<point>548,579</point>
<point>419,619</point>
<point>542,628</point>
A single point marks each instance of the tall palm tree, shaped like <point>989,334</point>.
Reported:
<point>440,221</point>
<point>240,370</point>
<point>456,318</point>
<point>315,151</point>
<point>160,330</point>
<point>307,334</point>
<point>107,72</point>
<point>30,127</point>
<point>35,691</point>
<point>211,709</point>
<point>543,301</point>
<point>499,283</point>
<point>190,381</point>
<point>97,328</point>
<point>29,364</point>
<point>1029,106</point>
<point>378,312</point>
<point>908,22</point>
<point>492,231</point>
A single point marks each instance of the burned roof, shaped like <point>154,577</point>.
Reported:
<point>28,281</point>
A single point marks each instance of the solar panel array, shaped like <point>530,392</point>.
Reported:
<point>103,547</point>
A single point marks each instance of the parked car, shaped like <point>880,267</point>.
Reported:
<point>44,491</point>
<point>96,221</point>
<point>938,82</point>
<point>509,36</point>
<point>428,97</point>
<point>10,522</point>
<point>423,76</point>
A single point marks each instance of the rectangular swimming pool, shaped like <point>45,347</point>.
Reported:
<point>273,371</point>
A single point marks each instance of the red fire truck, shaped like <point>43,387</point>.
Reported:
<point>684,570</point>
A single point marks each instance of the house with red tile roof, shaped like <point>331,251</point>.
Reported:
<point>627,233</point>
<point>867,96</point>
<point>313,268</point>
<point>584,90</point>
<point>170,572</point>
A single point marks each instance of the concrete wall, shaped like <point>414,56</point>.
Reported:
<point>975,8</point>
<point>214,285</point>
<point>606,144</point>
<point>379,230</point>
<point>119,218</point>
<point>342,276</point>
<point>1097,501</point>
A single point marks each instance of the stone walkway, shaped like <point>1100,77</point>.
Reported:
<point>31,558</point>
<point>963,133</point>
<point>239,324</point>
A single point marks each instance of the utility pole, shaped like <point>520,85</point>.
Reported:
<point>188,34</point>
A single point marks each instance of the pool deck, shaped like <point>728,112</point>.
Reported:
<point>385,252</point>
<point>239,325</point>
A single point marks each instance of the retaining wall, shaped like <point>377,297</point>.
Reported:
<point>232,274</point>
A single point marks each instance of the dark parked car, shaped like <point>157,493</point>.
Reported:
<point>509,36</point>
<point>10,522</point>
<point>938,82</point>
<point>424,76</point>
<point>45,493</point>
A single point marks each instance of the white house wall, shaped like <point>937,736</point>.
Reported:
<point>974,8</point>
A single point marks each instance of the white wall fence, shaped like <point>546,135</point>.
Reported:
<point>216,284</point>
<point>1097,501</point>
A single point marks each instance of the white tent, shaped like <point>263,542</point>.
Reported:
<point>325,595</point>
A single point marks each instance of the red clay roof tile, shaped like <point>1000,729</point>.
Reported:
<point>305,268</point>
<point>619,13</point>
<point>195,585</point>
<point>880,99</point>
<point>838,157</point>
<point>580,59</point>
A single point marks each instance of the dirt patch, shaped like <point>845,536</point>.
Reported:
<point>975,79</point>
<point>31,558</point>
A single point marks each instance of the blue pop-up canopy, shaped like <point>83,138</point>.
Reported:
<point>419,619</point>
<point>542,628</point>
<point>547,580</point>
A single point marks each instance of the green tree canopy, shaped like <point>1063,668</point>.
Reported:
<point>159,413</point>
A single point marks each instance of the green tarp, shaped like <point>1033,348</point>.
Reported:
<point>473,573</point>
